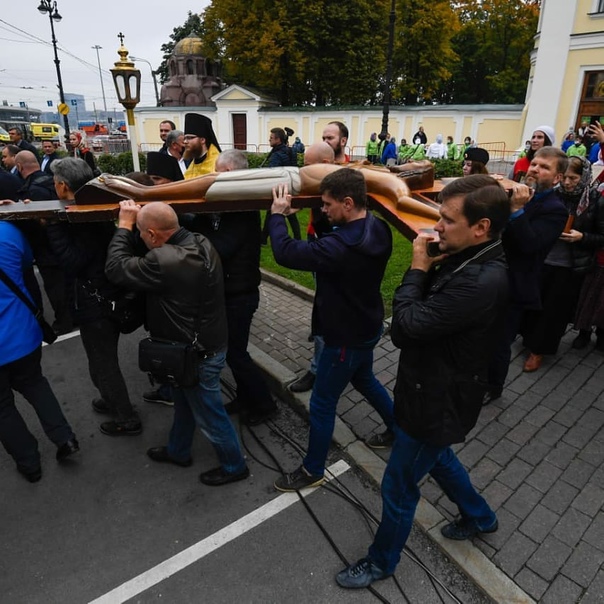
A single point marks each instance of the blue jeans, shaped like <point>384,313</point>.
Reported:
<point>337,367</point>
<point>202,405</point>
<point>410,460</point>
<point>314,362</point>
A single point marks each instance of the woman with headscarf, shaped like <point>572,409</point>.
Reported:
<point>567,264</point>
<point>543,136</point>
<point>438,149</point>
<point>81,151</point>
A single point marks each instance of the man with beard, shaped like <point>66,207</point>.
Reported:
<point>335,134</point>
<point>538,217</point>
<point>201,145</point>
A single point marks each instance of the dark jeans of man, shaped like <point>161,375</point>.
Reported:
<point>252,392</point>
<point>100,339</point>
<point>410,460</point>
<point>202,405</point>
<point>25,376</point>
<point>339,366</point>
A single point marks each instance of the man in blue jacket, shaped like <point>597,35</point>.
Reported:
<point>445,314</point>
<point>348,311</point>
<point>20,354</point>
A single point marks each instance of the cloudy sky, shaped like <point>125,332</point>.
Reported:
<point>27,70</point>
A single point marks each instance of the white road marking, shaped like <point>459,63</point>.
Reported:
<point>66,336</point>
<point>195,552</point>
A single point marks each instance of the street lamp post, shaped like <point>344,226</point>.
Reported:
<point>153,75</point>
<point>98,58</point>
<point>46,6</point>
<point>127,80</point>
<point>388,82</point>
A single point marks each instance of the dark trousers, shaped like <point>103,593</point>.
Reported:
<point>502,351</point>
<point>253,393</point>
<point>59,290</point>
<point>25,376</point>
<point>100,339</point>
<point>293,223</point>
<point>543,329</point>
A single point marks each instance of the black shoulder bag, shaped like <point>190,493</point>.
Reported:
<point>48,334</point>
<point>170,362</point>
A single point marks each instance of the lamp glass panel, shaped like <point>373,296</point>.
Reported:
<point>120,87</point>
<point>133,84</point>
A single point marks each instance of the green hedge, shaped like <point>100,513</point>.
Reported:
<point>120,164</point>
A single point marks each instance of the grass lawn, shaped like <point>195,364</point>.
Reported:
<point>397,265</point>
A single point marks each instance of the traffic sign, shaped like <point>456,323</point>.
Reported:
<point>63,109</point>
<point>74,102</point>
<point>49,103</point>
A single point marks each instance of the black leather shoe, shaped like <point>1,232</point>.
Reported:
<point>100,406</point>
<point>160,454</point>
<point>71,447</point>
<point>304,384</point>
<point>490,396</point>
<point>462,529</point>
<point>254,418</point>
<point>217,477</point>
<point>31,475</point>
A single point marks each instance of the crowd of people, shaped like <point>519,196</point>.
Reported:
<point>382,149</point>
<point>525,261</point>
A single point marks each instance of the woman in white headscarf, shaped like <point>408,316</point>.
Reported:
<point>437,150</point>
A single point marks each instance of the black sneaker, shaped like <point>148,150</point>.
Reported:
<point>71,447</point>
<point>463,529</point>
<point>361,574</point>
<point>155,396</point>
<point>303,384</point>
<point>382,440</point>
<point>130,427</point>
<point>30,474</point>
<point>298,479</point>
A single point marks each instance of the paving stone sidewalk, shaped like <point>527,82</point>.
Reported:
<point>536,454</point>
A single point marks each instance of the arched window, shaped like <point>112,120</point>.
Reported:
<point>190,67</point>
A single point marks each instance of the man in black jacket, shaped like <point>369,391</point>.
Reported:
<point>39,186</point>
<point>182,278</point>
<point>445,313</point>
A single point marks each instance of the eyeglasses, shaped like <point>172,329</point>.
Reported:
<point>189,137</point>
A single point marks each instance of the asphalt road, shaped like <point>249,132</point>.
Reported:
<point>110,525</point>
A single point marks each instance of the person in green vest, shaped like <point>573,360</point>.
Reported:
<point>578,149</point>
<point>403,151</point>
<point>371,149</point>
<point>452,150</point>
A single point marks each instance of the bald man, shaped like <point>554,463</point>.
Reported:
<point>182,277</point>
<point>39,186</point>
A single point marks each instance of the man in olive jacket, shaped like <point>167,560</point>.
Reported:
<point>445,315</point>
<point>182,277</point>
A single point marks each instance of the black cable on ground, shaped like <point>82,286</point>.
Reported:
<point>351,498</point>
<point>343,492</point>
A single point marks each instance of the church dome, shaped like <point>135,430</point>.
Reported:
<point>191,45</point>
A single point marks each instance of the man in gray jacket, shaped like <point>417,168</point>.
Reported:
<point>182,277</point>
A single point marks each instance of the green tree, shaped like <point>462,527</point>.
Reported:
<point>313,52</point>
<point>423,54</point>
<point>493,45</point>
